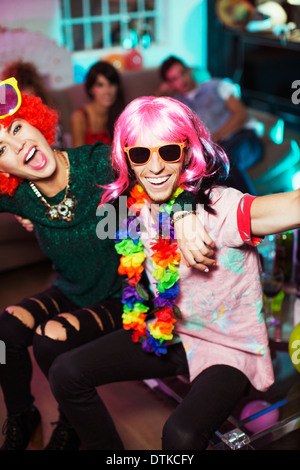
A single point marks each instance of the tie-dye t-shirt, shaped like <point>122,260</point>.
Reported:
<point>222,320</point>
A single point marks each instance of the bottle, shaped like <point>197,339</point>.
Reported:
<point>297,261</point>
<point>296,318</point>
<point>284,249</point>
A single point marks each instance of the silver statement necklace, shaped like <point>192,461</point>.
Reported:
<point>66,208</point>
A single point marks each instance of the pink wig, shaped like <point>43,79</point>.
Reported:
<point>170,121</point>
<point>37,115</point>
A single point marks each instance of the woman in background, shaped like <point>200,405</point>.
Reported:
<point>96,120</point>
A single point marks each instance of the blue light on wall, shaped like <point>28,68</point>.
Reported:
<point>277,132</point>
<point>283,176</point>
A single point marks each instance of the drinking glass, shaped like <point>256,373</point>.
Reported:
<point>272,282</point>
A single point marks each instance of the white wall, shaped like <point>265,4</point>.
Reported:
<point>35,15</point>
<point>183,32</point>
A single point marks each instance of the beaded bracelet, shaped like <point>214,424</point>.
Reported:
<point>180,215</point>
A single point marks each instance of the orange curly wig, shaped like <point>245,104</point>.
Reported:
<point>37,115</point>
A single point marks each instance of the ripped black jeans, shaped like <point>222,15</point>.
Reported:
<point>86,325</point>
<point>75,376</point>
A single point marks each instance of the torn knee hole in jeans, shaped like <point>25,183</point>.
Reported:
<point>41,304</point>
<point>96,318</point>
<point>58,328</point>
<point>22,314</point>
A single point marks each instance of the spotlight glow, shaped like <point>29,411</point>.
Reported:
<point>296,180</point>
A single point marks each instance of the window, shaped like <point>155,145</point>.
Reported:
<point>95,24</point>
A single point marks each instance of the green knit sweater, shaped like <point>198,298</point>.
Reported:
<point>86,266</point>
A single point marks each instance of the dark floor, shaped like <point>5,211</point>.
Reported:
<point>138,410</point>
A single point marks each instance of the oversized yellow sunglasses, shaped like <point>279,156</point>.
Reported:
<point>10,97</point>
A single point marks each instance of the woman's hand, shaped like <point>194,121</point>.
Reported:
<point>26,223</point>
<point>195,244</point>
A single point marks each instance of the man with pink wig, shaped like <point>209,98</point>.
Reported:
<point>205,324</point>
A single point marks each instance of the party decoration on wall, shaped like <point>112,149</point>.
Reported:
<point>52,61</point>
<point>129,60</point>
<point>266,417</point>
<point>133,60</point>
<point>117,60</point>
<point>139,33</point>
<point>294,347</point>
<point>131,40</point>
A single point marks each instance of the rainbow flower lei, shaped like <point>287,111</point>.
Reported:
<point>165,259</point>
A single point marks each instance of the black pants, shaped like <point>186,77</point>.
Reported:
<point>75,375</point>
<point>15,375</point>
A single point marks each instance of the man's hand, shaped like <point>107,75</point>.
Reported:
<point>164,89</point>
<point>196,246</point>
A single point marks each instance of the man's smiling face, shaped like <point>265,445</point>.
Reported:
<point>158,178</point>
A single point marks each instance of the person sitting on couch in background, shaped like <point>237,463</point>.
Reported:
<point>218,106</point>
<point>95,121</point>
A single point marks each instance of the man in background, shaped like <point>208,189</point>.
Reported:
<point>217,104</point>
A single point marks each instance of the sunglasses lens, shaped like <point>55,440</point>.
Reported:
<point>8,99</point>
<point>139,155</point>
<point>170,153</point>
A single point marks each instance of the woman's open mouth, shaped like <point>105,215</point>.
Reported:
<point>35,159</point>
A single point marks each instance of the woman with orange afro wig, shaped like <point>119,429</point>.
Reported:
<point>38,115</point>
<point>59,192</point>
